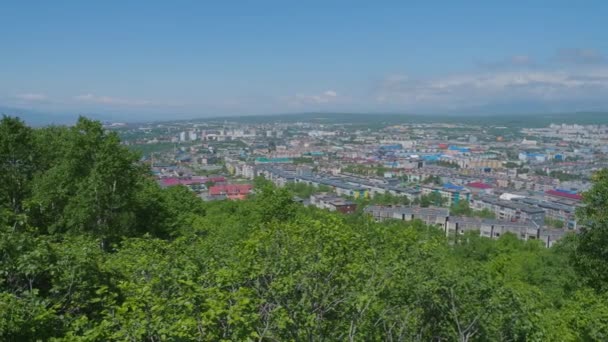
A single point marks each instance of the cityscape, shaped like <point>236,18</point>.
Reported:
<point>269,171</point>
<point>458,177</point>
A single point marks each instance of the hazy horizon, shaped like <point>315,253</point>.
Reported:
<point>139,61</point>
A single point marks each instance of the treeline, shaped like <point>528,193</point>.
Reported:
<point>93,250</point>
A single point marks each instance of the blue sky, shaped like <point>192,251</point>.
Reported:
<point>148,59</point>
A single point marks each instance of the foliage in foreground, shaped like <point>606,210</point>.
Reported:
<point>92,250</point>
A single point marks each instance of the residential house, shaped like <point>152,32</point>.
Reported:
<point>333,203</point>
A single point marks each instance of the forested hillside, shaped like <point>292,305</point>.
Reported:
<point>91,249</point>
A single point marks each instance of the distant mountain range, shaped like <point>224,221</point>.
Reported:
<point>495,116</point>
<point>531,119</point>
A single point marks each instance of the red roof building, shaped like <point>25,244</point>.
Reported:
<point>564,194</point>
<point>480,188</point>
<point>231,191</point>
<point>172,181</point>
<point>480,185</point>
<point>216,179</point>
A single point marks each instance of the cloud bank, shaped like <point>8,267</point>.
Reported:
<point>32,97</point>
<point>476,89</point>
<point>572,76</point>
<point>113,101</point>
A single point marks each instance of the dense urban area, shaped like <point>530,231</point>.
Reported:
<point>288,229</point>
<point>460,177</point>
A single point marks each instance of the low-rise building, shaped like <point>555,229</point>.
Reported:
<point>452,193</point>
<point>333,203</point>
<point>435,216</point>
<point>477,188</point>
<point>230,191</point>
<point>458,225</point>
<point>509,210</point>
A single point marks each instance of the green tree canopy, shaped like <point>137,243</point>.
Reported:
<point>92,249</point>
<point>591,253</point>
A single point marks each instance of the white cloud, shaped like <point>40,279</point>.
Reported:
<point>32,97</point>
<point>330,93</point>
<point>580,56</point>
<point>476,89</point>
<point>325,97</point>
<point>115,101</point>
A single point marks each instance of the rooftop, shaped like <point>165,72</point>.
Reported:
<point>564,194</point>
<point>479,185</point>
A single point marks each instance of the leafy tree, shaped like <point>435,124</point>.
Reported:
<point>380,170</point>
<point>432,180</point>
<point>18,164</point>
<point>304,190</point>
<point>591,255</point>
<point>461,209</point>
<point>563,176</point>
<point>583,317</point>
<point>388,199</point>
<point>25,318</point>
<point>433,198</point>
<point>485,213</point>
<point>91,184</point>
<point>554,223</point>
<point>272,203</point>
